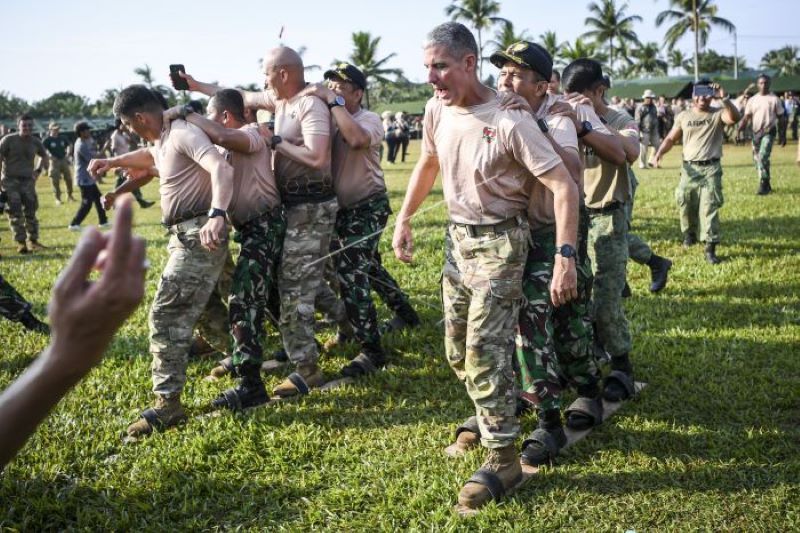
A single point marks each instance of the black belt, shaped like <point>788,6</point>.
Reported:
<point>606,209</point>
<point>290,200</point>
<point>271,213</point>
<point>704,162</point>
<point>479,230</point>
<point>184,218</point>
<point>366,201</point>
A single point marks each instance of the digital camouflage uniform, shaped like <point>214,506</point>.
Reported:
<point>12,305</point>
<point>482,293</point>
<point>554,347</point>
<point>359,269</point>
<point>255,275</point>
<point>59,166</point>
<point>187,282</point>
<point>699,198</point>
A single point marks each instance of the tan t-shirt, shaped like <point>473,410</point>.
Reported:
<point>254,188</point>
<point>185,187</point>
<point>295,118</point>
<point>765,108</point>
<point>18,155</point>
<point>703,134</point>
<point>541,212</point>
<point>120,143</point>
<point>605,182</point>
<point>357,174</point>
<point>485,155</point>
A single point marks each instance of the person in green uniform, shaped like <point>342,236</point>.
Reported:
<point>699,193</point>
<point>57,147</point>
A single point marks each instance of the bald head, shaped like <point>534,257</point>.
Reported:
<point>283,56</point>
<point>283,69</point>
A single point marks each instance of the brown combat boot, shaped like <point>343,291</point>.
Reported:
<point>499,473</point>
<point>22,248</point>
<point>34,245</point>
<point>166,412</point>
<point>301,381</point>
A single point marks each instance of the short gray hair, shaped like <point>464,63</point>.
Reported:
<point>455,37</point>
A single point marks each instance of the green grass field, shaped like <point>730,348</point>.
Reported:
<point>713,443</point>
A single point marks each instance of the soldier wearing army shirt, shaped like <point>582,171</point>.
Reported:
<point>57,147</point>
<point>699,193</point>
<point>486,156</point>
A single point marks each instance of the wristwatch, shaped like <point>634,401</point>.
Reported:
<point>587,129</point>
<point>542,125</point>
<point>566,250</point>
<point>276,140</point>
<point>338,101</point>
<point>214,212</point>
<point>185,110</point>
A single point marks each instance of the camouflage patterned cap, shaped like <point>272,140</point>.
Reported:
<point>347,72</point>
<point>527,55</point>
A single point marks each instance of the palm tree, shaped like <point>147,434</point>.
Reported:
<point>481,15</point>
<point>506,36</point>
<point>610,24</point>
<point>697,16</point>
<point>549,42</point>
<point>784,61</point>
<point>677,59</point>
<point>364,56</point>
<point>646,61</point>
<point>580,49</point>
<point>146,73</point>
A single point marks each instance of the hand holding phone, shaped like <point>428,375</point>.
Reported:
<point>178,82</point>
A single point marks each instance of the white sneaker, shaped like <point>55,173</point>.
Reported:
<point>642,165</point>
<point>58,202</point>
<point>74,227</point>
<point>105,226</point>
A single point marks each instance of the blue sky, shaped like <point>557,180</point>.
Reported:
<point>88,46</point>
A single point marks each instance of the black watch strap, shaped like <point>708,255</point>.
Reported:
<point>566,250</point>
<point>276,140</point>
<point>215,212</point>
<point>542,123</point>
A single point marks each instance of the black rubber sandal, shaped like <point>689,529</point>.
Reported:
<point>584,413</point>
<point>542,446</point>
<point>489,479</point>
<point>618,386</point>
<point>360,365</point>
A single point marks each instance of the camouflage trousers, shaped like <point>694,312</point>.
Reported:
<point>481,295</point>
<point>309,227</point>
<point>187,283</point>
<point>554,345</point>
<point>762,151</point>
<point>699,198</point>
<point>359,268</point>
<point>608,251</point>
<point>12,305</point>
<point>22,204</point>
<point>256,271</point>
<point>646,140</point>
<point>213,325</point>
<point>60,170</point>
<point>638,250</point>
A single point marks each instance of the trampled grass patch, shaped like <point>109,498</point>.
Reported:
<point>713,442</point>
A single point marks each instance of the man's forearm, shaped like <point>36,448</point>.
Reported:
<point>565,203</point>
<point>316,159</point>
<point>666,146</point>
<point>357,138</point>
<point>571,159</point>
<point>133,184</point>
<point>222,186</point>
<point>141,158</point>
<point>28,400</point>
<point>730,114</point>
<point>607,147</point>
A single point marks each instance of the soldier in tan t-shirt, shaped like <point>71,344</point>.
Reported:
<point>524,69</point>
<point>486,155</point>
<point>364,210</point>
<point>301,145</point>
<point>699,193</point>
<point>196,189</point>
<point>765,110</point>
<point>257,215</point>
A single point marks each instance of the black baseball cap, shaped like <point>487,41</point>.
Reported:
<point>525,54</point>
<point>347,72</point>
